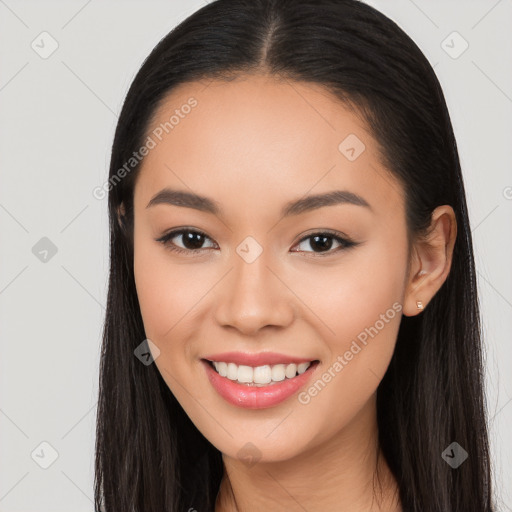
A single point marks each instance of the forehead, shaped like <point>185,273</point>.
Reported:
<point>262,137</point>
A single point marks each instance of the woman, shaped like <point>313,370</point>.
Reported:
<point>292,319</point>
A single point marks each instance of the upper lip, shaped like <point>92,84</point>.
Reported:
<point>257,359</point>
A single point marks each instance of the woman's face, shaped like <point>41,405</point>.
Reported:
<point>265,276</point>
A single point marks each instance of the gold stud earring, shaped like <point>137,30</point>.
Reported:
<point>419,305</point>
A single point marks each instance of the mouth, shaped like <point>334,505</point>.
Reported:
<point>260,376</point>
<point>259,387</point>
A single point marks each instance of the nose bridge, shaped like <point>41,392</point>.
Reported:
<point>252,296</point>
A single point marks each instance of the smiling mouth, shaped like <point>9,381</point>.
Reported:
<point>259,376</point>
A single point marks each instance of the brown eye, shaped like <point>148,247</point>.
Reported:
<point>322,242</point>
<point>191,240</point>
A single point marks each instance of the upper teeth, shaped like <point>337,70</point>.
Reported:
<point>261,374</point>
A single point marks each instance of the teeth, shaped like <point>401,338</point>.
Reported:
<point>290,371</point>
<point>303,367</point>
<point>278,373</point>
<point>232,372</point>
<point>261,375</point>
<point>245,374</point>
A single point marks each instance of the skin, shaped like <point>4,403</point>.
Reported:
<point>252,145</point>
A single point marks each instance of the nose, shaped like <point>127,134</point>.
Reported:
<point>253,296</point>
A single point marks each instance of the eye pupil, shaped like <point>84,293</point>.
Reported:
<point>193,240</point>
<point>320,242</point>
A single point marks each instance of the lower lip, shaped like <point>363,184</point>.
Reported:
<point>253,397</point>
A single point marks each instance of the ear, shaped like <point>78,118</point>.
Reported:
<point>431,261</point>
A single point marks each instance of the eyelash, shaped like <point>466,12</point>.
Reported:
<point>345,242</point>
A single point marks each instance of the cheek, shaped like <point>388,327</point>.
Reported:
<point>361,305</point>
<point>154,290</point>
<point>170,295</point>
<point>353,295</point>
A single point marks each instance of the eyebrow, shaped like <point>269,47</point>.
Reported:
<point>295,207</point>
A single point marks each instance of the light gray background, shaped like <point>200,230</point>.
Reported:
<point>56,126</point>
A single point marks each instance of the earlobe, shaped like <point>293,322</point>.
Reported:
<point>433,254</point>
<point>416,299</point>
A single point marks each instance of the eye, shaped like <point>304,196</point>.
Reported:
<point>191,239</point>
<point>192,242</point>
<point>322,242</point>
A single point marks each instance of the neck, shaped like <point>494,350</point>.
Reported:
<point>346,473</point>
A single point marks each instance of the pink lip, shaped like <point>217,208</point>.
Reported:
<point>260,359</point>
<point>252,397</point>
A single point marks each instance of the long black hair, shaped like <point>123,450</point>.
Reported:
<point>149,455</point>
